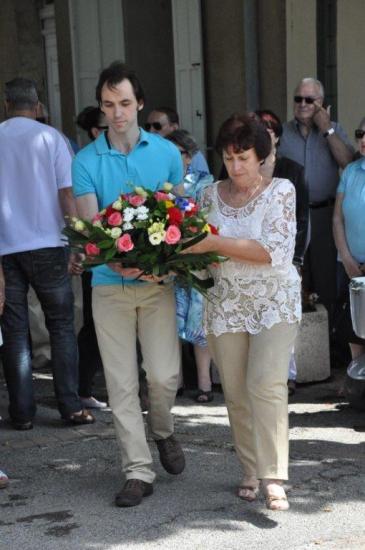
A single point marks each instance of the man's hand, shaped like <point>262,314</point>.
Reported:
<point>134,273</point>
<point>75,263</point>
<point>321,117</point>
<point>128,272</point>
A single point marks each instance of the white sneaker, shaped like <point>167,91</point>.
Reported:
<point>4,481</point>
<point>93,403</point>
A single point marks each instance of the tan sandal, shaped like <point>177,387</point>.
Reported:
<point>249,489</point>
<point>277,502</point>
<point>248,493</point>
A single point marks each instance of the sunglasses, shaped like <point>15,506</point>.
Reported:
<point>155,125</point>
<point>359,134</point>
<point>309,100</point>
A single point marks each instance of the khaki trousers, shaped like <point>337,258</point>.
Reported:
<point>253,369</point>
<point>120,314</point>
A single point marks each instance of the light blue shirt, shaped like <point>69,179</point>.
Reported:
<point>198,164</point>
<point>106,172</point>
<point>352,185</point>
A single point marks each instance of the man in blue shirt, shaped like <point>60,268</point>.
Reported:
<point>124,308</point>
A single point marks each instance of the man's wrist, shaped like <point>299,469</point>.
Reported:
<point>329,132</point>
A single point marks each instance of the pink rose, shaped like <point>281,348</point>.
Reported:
<point>125,243</point>
<point>160,196</point>
<point>136,200</point>
<point>91,249</point>
<point>115,219</point>
<point>173,234</point>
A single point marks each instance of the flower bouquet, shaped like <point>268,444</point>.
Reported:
<point>147,230</point>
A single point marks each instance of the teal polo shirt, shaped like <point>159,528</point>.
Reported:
<point>352,185</point>
<point>106,172</point>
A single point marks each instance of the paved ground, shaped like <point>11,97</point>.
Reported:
<point>63,481</point>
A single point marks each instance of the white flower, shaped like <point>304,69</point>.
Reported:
<point>167,186</point>
<point>79,225</point>
<point>142,212</point>
<point>117,205</point>
<point>116,232</point>
<point>156,238</point>
<point>108,231</point>
<point>128,214</point>
<point>127,225</point>
<point>97,223</point>
<point>156,227</point>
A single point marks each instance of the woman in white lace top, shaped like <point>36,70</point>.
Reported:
<point>253,310</point>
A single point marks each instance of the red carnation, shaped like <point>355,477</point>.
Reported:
<point>175,216</point>
<point>213,229</point>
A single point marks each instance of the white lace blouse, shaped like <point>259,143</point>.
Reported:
<point>247,297</point>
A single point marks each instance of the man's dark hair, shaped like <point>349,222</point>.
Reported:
<point>271,121</point>
<point>89,118</point>
<point>113,75</point>
<point>243,132</point>
<point>170,113</point>
<point>21,93</point>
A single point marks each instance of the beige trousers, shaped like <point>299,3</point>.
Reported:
<point>253,369</point>
<point>120,314</point>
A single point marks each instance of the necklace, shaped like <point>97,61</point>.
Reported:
<point>253,190</point>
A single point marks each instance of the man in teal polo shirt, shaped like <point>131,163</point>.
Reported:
<point>123,157</point>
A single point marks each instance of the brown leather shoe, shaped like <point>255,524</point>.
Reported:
<point>133,492</point>
<point>171,455</point>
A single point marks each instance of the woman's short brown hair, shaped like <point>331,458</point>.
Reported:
<point>243,132</point>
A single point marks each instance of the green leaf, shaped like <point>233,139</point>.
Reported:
<point>110,254</point>
<point>107,243</point>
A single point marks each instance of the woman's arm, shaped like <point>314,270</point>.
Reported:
<point>276,243</point>
<point>241,250</point>
<point>350,264</point>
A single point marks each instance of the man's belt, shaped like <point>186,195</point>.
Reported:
<point>322,204</point>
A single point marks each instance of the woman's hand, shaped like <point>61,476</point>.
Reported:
<point>352,268</point>
<point>206,245</point>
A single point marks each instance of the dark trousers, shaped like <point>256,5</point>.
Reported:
<point>45,270</point>
<point>319,272</point>
<point>89,354</point>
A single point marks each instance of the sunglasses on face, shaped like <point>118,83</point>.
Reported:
<point>359,134</point>
<point>309,100</point>
<point>155,125</point>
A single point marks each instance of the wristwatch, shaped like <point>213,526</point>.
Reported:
<point>329,132</point>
